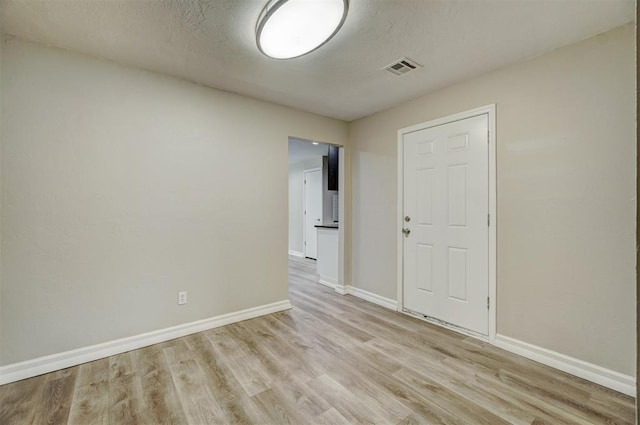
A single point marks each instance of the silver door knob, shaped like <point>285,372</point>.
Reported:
<point>407,218</point>
<point>406,231</point>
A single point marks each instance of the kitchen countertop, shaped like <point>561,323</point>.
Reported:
<point>327,225</point>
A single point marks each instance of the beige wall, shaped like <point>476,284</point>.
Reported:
<point>121,187</point>
<point>637,218</point>
<point>565,193</point>
<point>1,49</point>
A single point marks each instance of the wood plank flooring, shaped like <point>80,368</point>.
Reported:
<point>332,359</point>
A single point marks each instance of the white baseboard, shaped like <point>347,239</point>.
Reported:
<point>296,254</point>
<point>27,369</point>
<point>608,378</point>
<point>328,282</point>
<point>341,289</point>
<point>371,297</point>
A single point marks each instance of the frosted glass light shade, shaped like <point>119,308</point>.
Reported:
<point>290,28</point>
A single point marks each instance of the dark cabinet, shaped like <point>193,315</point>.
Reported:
<point>332,172</point>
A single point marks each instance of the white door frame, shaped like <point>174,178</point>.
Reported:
<point>342,166</point>
<point>304,207</point>
<point>491,111</point>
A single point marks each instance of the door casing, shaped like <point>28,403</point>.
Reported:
<point>490,110</point>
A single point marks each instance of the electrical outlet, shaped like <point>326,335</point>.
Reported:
<point>182,297</point>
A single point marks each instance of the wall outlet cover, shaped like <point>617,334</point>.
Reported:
<point>182,297</point>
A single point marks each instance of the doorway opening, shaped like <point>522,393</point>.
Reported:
<point>316,208</point>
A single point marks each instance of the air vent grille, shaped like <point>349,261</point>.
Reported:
<point>402,66</point>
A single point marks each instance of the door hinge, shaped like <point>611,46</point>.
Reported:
<point>305,181</point>
<point>487,303</point>
<point>488,220</point>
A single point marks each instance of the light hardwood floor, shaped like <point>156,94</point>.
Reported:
<point>332,359</point>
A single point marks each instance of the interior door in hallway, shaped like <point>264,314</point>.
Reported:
<point>445,211</point>
<point>312,211</point>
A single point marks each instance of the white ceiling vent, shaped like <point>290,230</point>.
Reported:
<point>402,66</point>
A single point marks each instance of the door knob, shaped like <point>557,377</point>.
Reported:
<point>407,218</point>
<point>406,231</point>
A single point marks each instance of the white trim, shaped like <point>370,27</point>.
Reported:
<point>493,250</point>
<point>400,226</point>
<point>327,281</point>
<point>27,369</point>
<point>611,379</point>
<point>372,298</point>
<point>296,253</point>
<point>342,164</point>
<point>341,289</point>
<point>490,110</point>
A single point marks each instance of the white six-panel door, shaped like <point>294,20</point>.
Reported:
<point>445,212</point>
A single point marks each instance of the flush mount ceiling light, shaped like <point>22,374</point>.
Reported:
<point>291,28</point>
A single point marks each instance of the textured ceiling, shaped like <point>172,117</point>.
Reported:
<point>212,42</point>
